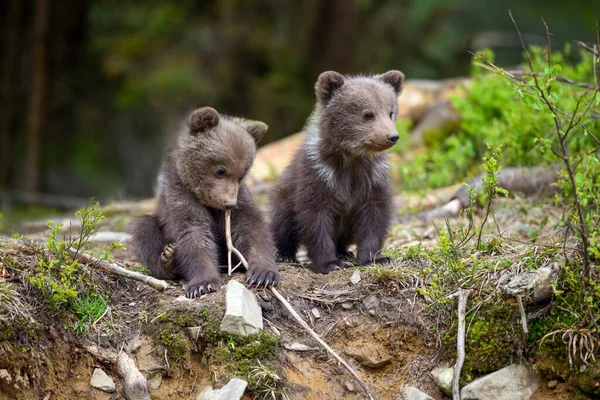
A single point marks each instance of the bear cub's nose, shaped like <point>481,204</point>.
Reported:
<point>393,137</point>
<point>230,204</point>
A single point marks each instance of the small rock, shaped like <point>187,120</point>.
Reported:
<point>552,384</point>
<point>297,347</point>
<point>535,286</point>
<point>355,278</point>
<point>5,376</point>
<point>371,302</point>
<point>102,381</point>
<point>412,393</point>
<point>442,376</point>
<point>350,386</point>
<point>182,299</point>
<point>243,315</point>
<point>368,361</point>
<point>234,390</point>
<point>316,313</point>
<point>372,312</point>
<point>347,305</point>
<point>194,332</point>
<point>155,381</point>
<point>515,382</point>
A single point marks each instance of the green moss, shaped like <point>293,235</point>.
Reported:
<point>171,329</point>
<point>492,341</point>
<point>20,333</point>
<point>249,358</point>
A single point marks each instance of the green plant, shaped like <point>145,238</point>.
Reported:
<point>62,281</point>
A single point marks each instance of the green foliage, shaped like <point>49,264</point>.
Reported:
<point>62,281</point>
<point>246,357</point>
<point>493,114</point>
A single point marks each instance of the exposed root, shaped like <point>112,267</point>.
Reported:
<point>135,385</point>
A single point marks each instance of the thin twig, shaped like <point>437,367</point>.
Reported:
<point>115,269</point>
<point>523,315</point>
<point>463,295</point>
<point>230,247</point>
<point>289,307</point>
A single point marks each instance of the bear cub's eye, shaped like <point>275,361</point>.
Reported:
<point>368,115</point>
<point>392,116</point>
<point>221,172</point>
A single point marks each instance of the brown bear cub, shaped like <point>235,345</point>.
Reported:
<point>201,178</point>
<point>336,191</point>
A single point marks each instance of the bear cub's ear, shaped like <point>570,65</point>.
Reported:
<point>255,128</point>
<point>394,78</point>
<point>202,120</point>
<point>327,84</point>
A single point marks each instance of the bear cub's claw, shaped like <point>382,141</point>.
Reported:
<point>288,259</point>
<point>198,289</point>
<point>259,277</point>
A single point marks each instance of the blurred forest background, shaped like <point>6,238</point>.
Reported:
<point>92,92</point>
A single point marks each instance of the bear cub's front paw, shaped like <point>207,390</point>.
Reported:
<point>262,276</point>
<point>201,286</point>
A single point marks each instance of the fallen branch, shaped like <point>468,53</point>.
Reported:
<point>288,306</point>
<point>463,295</point>
<point>525,180</point>
<point>120,271</point>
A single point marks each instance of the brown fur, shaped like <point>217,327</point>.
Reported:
<point>201,177</point>
<point>336,191</point>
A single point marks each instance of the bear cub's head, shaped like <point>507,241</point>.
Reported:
<point>215,154</point>
<point>358,113</point>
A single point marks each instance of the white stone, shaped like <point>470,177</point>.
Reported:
<point>155,381</point>
<point>234,390</point>
<point>297,347</point>
<point>316,313</point>
<point>515,382</point>
<point>442,376</point>
<point>5,376</point>
<point>243,315</point>
<point>102,381</point>
<point>412,393</point>
<point>355,278</point>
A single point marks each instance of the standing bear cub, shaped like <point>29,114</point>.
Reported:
<point>336,191</point>
<point>200,179</point>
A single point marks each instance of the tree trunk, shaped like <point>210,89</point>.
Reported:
<point>7,118</point>
<point>37,104</point>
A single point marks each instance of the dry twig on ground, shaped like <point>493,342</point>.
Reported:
<point>288,306</point>
<point>115,269</point>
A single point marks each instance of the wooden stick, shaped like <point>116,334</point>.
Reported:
<point>523,315</point>
<point>120,271</point>
<point>315,336</point>
<point>463,295</point>
<point>230,247</point>
<point>288,306</point>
